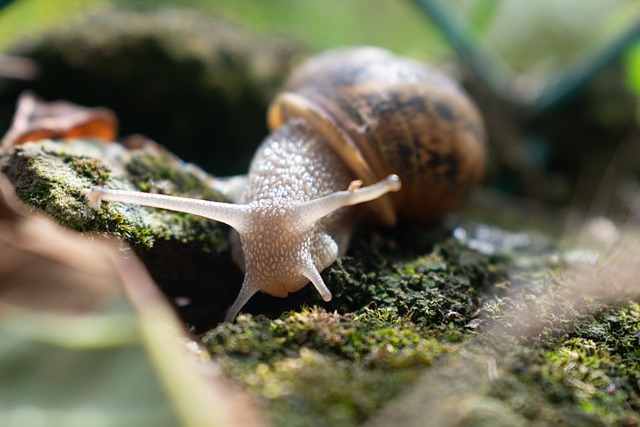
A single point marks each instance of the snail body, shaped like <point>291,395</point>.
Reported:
<point>347,118</point>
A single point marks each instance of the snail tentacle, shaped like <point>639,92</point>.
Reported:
<point>231,214</point>
<point>247,290</point>
<point>312,211</point>
<point>309,270</point>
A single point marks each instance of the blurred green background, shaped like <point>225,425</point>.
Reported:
<point>321,24</point>
<point>543,34</point>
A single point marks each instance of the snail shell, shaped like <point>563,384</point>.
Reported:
<point>385,114</point>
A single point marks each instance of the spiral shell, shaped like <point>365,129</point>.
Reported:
<point>385,114</point>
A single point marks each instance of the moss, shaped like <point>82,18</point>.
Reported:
<point>576,379</point>
<point>590,375</point>
<point>320,368</point>
<point>402,300</point>
<point>475,325</point>
<point>158,174</point>
<point>51,176</point>
<point>440,287</point>
<point>181,251</point>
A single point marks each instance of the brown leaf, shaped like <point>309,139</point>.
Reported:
<point>36,119</point>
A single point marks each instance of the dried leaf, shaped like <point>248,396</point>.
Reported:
<point>36,119</point>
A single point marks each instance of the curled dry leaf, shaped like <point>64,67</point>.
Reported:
<point>36,119</point>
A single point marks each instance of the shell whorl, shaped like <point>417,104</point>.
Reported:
<point>385,114</point>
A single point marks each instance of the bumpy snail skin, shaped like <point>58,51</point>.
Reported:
<point>290,224</point>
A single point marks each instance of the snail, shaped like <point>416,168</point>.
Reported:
<point>350,126</point>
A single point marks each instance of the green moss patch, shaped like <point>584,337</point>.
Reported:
<point>320,368</point>
<point>187,255</point>
<point>580,378</point>
<point>51,176</point>
<point>465,325</point>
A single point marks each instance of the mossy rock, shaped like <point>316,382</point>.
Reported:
<point>439,323</point>
<point>198,84</point>
<point>188,256</point>
<point>465,324</point>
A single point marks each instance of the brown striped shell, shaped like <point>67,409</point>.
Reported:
<point>386,114</point>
